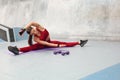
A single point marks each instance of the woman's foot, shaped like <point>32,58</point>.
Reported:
<point>14,50</point>
<point>83,42</point>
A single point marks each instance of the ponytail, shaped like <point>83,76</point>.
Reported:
<point>30,40</point>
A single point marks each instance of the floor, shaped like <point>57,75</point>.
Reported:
<point>98,60</point>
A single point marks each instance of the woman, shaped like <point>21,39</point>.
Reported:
<point>42,38</point>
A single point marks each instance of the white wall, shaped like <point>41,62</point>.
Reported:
<point>93,19</point>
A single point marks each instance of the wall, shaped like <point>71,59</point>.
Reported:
<point>92,19</point>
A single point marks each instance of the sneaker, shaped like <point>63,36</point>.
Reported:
<point>83,42</point>
<point>14,50</point>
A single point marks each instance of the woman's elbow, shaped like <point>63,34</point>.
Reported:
<point>35,40</point>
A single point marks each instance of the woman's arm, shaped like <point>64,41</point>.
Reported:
<point>29,25</point>
<point>45,43</point>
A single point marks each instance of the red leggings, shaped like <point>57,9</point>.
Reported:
<point>39,46</point>
<point>43,37</point>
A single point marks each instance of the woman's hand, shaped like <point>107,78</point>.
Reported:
<point>62,45</point>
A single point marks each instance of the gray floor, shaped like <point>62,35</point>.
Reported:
<point>44,65</point>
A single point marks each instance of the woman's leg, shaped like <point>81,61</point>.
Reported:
<point>16,51</point>
<point>68,44</point>
<point>32,47</point>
